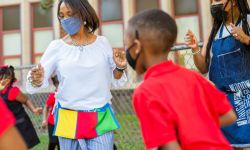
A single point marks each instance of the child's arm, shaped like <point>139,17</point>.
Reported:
<point>227,118</point>
<point>171,146</point>
<point>45,116</point>
<point>22,98</point>
<point>220,103</point>
<point>11,139</point>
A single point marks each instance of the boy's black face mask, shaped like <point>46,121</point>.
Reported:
<point>218,12</point>
<point>132,62</point>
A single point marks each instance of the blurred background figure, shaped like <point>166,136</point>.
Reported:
<point>15,99</point>
<point>48,117</point>
<point>8,131</point>
<point>225,56</point>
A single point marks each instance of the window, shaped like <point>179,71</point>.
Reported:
<point>186,14</point>
<point>111,10</point>
<point>146,4</point>
<point>10,33</point>
<point>42,31</point>
<point>111,21</point>
<point>183,7</point>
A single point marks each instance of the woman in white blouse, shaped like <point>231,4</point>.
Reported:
<point>86,67</point>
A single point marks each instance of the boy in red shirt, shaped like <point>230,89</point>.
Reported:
<point>48,118</point>
<point>8,132</point>
<point>177,108</point>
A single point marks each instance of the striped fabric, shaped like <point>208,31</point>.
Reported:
<point>84,124</point>
<point>103,142</point>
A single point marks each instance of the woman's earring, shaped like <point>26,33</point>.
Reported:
<point>84,22</point>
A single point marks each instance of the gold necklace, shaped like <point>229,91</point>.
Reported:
<point>75,43</point>
<point>80,46</point>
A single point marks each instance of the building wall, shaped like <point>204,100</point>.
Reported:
<point>25,30</point>
<point>200,22</point>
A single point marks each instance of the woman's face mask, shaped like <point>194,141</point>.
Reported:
<point>218,12</point>
<point>71,25</point>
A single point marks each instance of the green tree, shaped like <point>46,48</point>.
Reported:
<point>46,4</point>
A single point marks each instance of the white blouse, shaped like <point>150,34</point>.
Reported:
<point>85,75</point>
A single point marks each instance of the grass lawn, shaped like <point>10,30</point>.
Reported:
<point>43,142</point>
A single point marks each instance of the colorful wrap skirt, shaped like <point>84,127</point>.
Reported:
<point>84,124</point>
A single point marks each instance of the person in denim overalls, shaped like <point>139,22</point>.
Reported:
<point>226,58</point>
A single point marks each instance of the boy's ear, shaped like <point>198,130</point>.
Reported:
<point>137,47</point>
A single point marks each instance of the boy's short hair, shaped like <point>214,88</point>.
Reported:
<point>155,26</point>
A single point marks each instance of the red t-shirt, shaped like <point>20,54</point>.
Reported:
<point>13,93</point>
<point>50,103</point>
<point>176,104</point>
<point>7,119</point>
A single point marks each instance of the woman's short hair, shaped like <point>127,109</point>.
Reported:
<point>84,10</point>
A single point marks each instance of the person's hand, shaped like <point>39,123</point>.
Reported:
<point>38,110</point>
<point>37,75</point>
<point>119,58</point>
<point>239,34</point>
<point>191,41</point>
<point>44,124</point>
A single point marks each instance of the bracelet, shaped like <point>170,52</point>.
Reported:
<point>120,69</point>
<point>194,53</point>
<point>36,85</point>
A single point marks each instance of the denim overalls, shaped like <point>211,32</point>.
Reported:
<point>230,72</point>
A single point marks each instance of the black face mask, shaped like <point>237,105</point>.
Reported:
<point>132,62</point>
<point>218,12</point>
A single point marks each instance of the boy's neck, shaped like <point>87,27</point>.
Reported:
<point>157,60</point>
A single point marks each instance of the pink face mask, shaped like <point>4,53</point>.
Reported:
<point>2,87</point>
<point>3,84</point>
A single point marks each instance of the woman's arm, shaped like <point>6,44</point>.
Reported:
<point>117,61</point>
<point>117,74</point>
<point>199,53</point>
<point>38,77</point>
<point>120,62</point>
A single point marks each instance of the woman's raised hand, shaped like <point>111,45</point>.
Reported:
<point>191,40</point>
<point>37,76</point>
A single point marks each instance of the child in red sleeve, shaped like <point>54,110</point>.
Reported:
<point>14,99</point>
<point>48,118</point>
<point>8,131</point>
<point>177,108</point>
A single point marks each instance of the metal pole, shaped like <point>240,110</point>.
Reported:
<point>183,47</point>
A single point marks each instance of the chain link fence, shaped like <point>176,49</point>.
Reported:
<point>128,137</point>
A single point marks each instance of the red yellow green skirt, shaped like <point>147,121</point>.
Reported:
<point>84,124</point>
